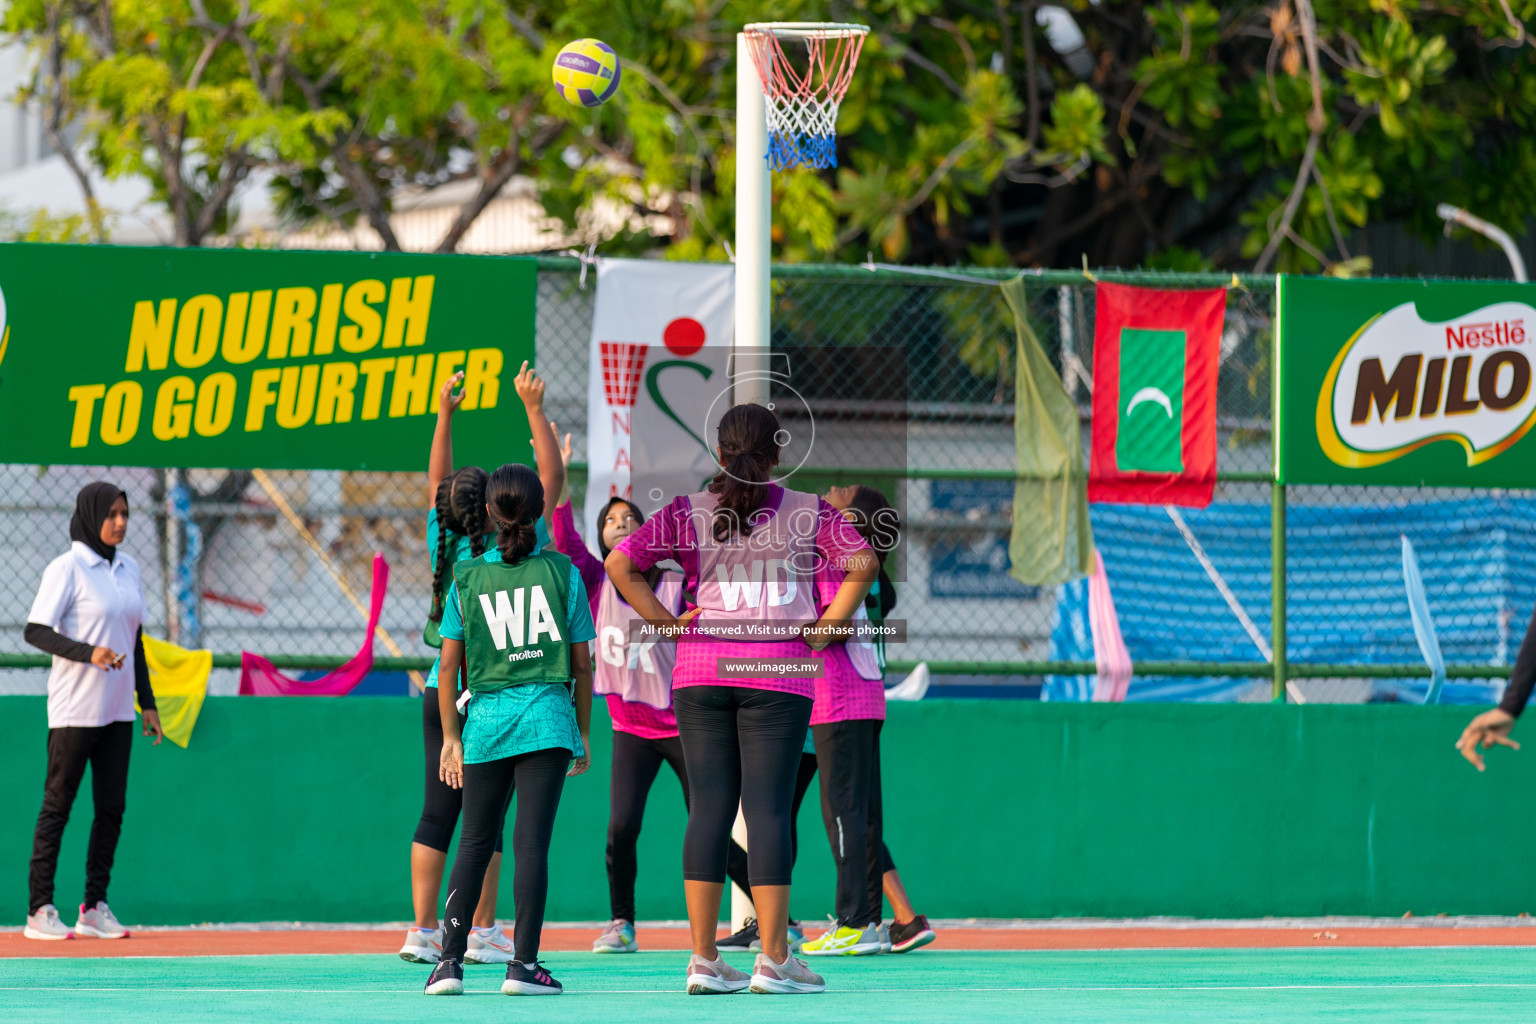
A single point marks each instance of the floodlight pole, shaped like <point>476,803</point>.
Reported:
<point>754,221</point>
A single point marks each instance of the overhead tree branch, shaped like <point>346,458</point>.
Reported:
<point>1316,121</point>
<point>53,126</point>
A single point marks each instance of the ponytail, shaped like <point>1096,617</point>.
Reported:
<point>516,500</point>
<point>749,449</point>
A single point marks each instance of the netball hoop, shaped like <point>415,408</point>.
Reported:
<point>786,116</point>
<point>805,69</point>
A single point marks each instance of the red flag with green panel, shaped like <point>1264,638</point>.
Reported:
<point>1155,358</point>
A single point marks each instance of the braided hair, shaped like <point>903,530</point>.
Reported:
<point>749,448</point>
<point>516,500</point>
<point>447,523</point>
<point>468,502</point>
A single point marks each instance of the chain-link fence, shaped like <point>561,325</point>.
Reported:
<point>910,379</point>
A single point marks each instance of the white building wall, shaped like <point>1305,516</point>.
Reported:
<point>21,127</point>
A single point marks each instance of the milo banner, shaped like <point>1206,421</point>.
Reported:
<point>243,358</point>
<point>660,357</point>
<point>1405,382</point>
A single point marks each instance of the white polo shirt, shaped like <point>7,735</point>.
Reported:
<point>86,598</point>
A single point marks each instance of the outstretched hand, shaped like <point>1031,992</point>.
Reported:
<point>565,446</point>
<point>1487,729</point>
<point>530,388</point>
<point>447,401</point>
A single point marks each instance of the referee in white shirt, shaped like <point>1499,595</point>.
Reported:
<point>87,615</point>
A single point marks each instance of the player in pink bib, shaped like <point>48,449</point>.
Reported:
<point>743,685</point>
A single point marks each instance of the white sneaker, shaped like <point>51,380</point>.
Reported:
<point>98,923</point>
<point>792,977</point>
<point>714,977</point>
<point>422,946</point>
<point>884,932</point>
<point>489,946</point>
<point>45,924</point>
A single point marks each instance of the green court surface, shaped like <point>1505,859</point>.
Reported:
<point>1398,985</point>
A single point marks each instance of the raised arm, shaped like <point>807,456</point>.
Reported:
<point>440,462</point>
<point>530,388</point>
<point>567,538</point>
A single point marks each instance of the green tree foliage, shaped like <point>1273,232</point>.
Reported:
<point>991,131</point>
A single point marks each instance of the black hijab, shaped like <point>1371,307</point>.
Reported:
<point>92,505</point>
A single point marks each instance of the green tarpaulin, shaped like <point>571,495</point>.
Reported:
<point>1052,541</point>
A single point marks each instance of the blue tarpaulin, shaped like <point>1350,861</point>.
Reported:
<point>1346,602</point>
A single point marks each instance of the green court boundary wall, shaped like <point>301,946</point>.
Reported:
<point>302,809</point>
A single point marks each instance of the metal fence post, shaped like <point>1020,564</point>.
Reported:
<point>170,562</point>
<point>1277,586</point>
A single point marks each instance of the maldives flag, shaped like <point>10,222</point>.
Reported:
<point>1155,357</point>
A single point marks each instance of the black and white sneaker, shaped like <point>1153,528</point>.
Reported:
<point>743,940</point>
<point>912,935</point>
<point>447,979</point>
<point>530,980</point>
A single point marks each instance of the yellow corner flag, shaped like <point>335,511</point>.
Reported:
<point>179,678</point>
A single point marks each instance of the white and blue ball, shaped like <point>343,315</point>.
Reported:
<point>587,72</point>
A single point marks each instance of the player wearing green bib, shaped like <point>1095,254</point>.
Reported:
<point>458,530</point>
<point>519,620</point>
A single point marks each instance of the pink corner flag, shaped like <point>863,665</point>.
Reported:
<point>260,678</point>
<point>1110,655</point>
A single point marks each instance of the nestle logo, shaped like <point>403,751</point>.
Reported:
<point>1485,335</point>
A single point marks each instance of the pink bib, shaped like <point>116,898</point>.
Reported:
<point>768,577</point>
<point>636,670</point>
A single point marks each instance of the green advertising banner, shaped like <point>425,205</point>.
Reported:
<point>255,358</point>
<point>1405,382</point>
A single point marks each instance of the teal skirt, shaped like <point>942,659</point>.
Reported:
<point>520,720</point>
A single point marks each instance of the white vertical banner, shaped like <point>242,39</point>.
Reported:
<point>661,340</point>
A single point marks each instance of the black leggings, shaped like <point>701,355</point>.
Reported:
<point>636,762</point>
<point>538,779</point>
<point>848,754</point>
<point>105,748</point>
<point>742,746</point>
<point>736,857</point>
<point>440,806</point>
